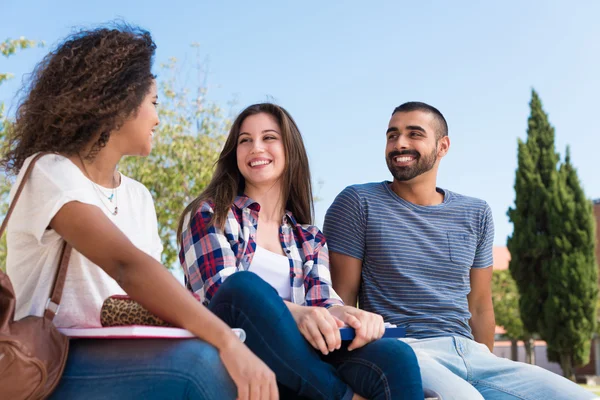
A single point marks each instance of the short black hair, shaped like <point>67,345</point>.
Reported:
<point>442,128</point>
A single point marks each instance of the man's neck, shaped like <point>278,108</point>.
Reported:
<point>420,192</point>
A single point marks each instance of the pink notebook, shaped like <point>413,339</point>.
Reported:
<point>135,332</point>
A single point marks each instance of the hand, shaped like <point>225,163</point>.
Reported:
<point>319,327</point>
<point>367,326</point>
<point>253,378</point>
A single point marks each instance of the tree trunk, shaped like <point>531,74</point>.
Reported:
<point>567,366</point>
<point>529,351</point>
<point>514,350</point>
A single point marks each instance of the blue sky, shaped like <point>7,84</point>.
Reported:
<point>341,67</point>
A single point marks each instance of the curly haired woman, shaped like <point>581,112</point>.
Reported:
<point>92,101</point>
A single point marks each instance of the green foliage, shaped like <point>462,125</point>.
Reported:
<point>186,146</point>
<point>10,47</point>
<point>505,296</point>
<point>553,246</point>
<point>530,245</point>
<point>569,318</point>
<point>7,49</point>
<point>5,125</point>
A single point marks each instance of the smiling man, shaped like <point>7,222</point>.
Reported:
<point>421,256</point>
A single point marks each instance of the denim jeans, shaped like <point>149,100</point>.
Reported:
<point>384,369</point>
<point>115,369</point>
<point>460,368</point>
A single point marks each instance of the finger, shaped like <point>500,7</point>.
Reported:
<point>255,390</point>
<point>338,335</point>
<point>328,326</point>
<point>331,332</point>
<point>273,390</point>
<point>359,339</point>
<point>381,329</point>
<point>367,329</point>
<point>308,336</point>
<point>243,391</point>
<point>371,330</point>
<point>352,321</point>
<point>356,343</point>
<point>317,338</point>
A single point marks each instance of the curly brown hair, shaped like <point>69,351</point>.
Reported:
<point>81,92</point>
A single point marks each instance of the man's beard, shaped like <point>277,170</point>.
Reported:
<point>420,166</point>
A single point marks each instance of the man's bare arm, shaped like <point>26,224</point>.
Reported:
<point>345,276</point>
<point>483,321</point>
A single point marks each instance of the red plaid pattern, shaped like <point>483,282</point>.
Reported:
<point>209,255</point>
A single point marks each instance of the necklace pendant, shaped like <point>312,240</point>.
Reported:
<point>110,198</point>
<point>116,211</point>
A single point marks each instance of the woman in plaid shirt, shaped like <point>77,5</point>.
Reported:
<point>248,250</point>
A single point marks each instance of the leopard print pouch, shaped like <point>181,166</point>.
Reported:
<point>123,310</point>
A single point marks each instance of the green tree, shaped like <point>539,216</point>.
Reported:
<point>8,48</point>
<point>505,296</point>
<point>531,243</point>
<point>552,247</point>
<point>569,318</point>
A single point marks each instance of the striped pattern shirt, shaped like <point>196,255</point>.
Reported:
<point>209,255</point>
<point>416,259</point>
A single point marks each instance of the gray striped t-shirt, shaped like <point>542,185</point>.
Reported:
<point>416,259</point>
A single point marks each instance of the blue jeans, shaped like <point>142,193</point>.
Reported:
<point>384,369</point>
<point>460,368</point>
<point>144,369</point>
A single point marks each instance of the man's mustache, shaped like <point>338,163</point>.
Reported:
<point>396,153</point>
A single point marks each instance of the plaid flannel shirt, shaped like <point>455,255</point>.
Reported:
<point>209,255</point>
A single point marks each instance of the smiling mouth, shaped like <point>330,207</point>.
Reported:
<point>259,163</point>
<point>403,160</point>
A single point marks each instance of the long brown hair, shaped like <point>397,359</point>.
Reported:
<point>227,181</point>
<point>81,92</point>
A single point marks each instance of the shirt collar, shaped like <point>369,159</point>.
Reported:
<point>243,201</point>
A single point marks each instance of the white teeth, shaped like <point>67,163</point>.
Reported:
<point>262,162</point>
<point>403,159</point>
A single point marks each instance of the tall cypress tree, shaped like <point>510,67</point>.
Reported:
<point>531,243</point>
<point>553,247</point>
<point>569,315</point>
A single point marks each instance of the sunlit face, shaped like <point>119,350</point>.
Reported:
<point>260,152</point>
<point>135,136</point>
<point>412,148</point>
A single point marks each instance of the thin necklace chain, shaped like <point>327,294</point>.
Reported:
<point>114,195</point>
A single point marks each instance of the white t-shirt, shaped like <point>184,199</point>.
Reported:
<point>274,269</point>
<point>33,250</point>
